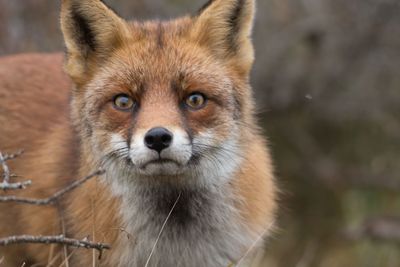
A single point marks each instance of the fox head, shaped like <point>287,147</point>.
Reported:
<point>162,99</point>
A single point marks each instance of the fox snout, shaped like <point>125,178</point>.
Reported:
<point>160,151</point>
<point>158,139</point>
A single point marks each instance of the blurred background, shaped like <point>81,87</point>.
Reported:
<point>327,83</point>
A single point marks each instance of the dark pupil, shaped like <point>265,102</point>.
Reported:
<point>196,100</point>
<point>123,102</point>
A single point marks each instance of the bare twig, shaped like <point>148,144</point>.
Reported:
<point>60,239</point>
<point>6,170</point>
<point>7,157</point>
<point>15,186</point>
<point>6,185</point>
<point>51,200</point>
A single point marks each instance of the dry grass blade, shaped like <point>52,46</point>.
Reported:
<point>53,260</point>
<point>65,262</point>
<point>260,237</point>
<point>162,230</point>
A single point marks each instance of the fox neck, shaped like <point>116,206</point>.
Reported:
<point>192,218</point>
<point>193,214</point>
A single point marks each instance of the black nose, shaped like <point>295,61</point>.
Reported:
<point>158,139</point>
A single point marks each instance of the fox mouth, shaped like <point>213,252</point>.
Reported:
<point>161,167</point>
<point>160,162</point>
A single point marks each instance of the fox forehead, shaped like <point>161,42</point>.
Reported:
<point>162,59</point>
<point>163,51</point>
<point>159,33</point>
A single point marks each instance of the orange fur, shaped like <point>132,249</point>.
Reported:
<point>157,64</point>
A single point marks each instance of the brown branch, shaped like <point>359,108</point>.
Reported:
<point>61,240</point>
<point>51,200</point>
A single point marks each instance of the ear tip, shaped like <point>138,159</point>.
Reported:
<point>205,6</point>
<point>73,2</point>
<point>251,4</point>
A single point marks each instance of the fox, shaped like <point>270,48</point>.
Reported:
<point>166,109</point>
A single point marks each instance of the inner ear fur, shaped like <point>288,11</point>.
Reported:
<point>91,32</point>
<point>225,27</point>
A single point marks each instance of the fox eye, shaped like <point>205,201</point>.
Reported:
<point>196,101</point>
<point>123,102</point>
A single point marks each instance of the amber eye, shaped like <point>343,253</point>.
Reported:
<point>196,101</point>
<point>123,102</point>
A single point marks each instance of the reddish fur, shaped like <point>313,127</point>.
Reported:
<point>34,96</point>
<point>41,127</point>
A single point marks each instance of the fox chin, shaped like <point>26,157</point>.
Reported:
<point>165,108</point>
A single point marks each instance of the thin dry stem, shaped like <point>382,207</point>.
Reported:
<point>7,157</point>
<point>253,246</point>
<point>162,230</point>
<point>6,184</point>
<point>51,200</point>
<point>6,170</point>
<point>60,239</point>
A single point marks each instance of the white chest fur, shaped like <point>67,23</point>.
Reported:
<point>203,229</point>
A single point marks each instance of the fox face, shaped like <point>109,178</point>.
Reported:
<point>166,111</point>
<point>162,99</point>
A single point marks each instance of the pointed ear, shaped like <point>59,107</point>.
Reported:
<point>225,27</point>
<point>91,32</point>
